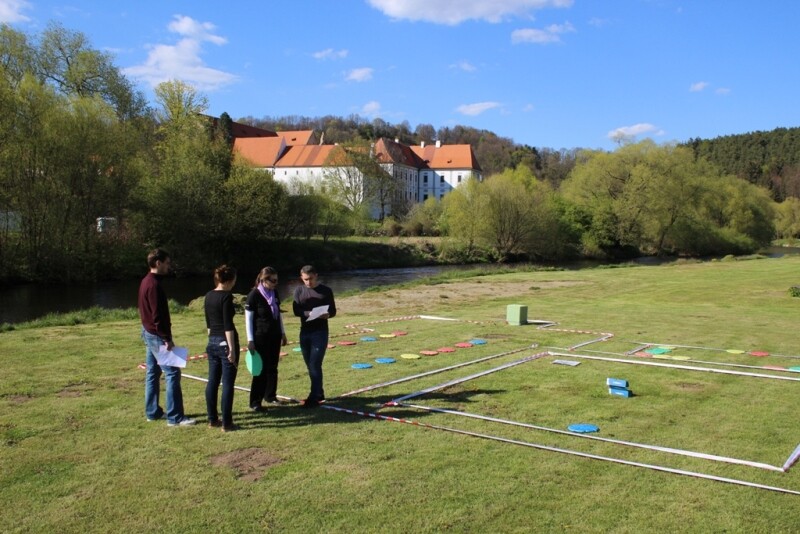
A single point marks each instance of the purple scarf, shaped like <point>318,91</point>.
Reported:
<point>269,296</point>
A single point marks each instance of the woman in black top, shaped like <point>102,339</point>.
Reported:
<point>223,347</point>
<point>265,335</point>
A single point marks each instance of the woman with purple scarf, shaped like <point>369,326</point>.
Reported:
<point>265,335</point>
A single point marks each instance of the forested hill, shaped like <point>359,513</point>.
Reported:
<point>769,159</point>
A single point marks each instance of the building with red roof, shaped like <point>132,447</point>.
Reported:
<point>419,172</point>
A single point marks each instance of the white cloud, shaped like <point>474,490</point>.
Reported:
<point>550,34</point>
<point>192,29</point>
<point>477,108</point>
<point>723,91</point>
<point>183,60</point>
<point>528,108</point>
<point>466,66</point>
<point>363,74</point>
<point>371,109</point>
<point>698,86</point>
<point>629,133</point>
<point>452,12</point>
<point>11,11</point>
<point>330,53</point>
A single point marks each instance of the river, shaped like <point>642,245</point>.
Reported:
<point>25,302</point>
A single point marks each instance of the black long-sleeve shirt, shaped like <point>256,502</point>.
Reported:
<point>306,299</point>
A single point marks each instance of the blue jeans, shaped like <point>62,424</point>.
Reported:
<point>152,384</point>
<point>313,343</point>
<point>219,368</point>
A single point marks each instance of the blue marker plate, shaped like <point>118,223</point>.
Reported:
<point>368,338</point>
<point>385,360</point>
<point>361,365</point>
<point>583,428</point>
<point>478,341</point>
<point>297,349</point>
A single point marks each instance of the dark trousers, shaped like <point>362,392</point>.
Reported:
<point>219,369</point>
<point>265,385</point>
<point>314,343</point>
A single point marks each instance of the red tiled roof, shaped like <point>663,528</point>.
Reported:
<point>260,151</point>
<point>392,152</point>
<point>300,137</point>
<point>306,156</point>
<point>447,156</point>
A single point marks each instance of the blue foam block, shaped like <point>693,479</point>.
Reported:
<point>620,392</point>
<point>616,382</point>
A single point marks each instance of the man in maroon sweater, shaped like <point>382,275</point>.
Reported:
<point>157,333</point>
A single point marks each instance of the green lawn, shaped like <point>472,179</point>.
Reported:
<point>78,456</point>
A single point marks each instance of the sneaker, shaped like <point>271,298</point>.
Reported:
<point>186,421</point>
<point>256,409</point>
<point>215,424</point>
<point>230,428</point>
<point>156,418</point>
<point>274,402</point>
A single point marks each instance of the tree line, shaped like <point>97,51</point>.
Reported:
<point>78,142</point>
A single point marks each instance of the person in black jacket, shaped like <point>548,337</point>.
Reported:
<point>222,348</point>
<point>313,329</point>
<point>265,335</point>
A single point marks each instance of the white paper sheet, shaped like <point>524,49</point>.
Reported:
<point>174,358</point>
<point>316,312</point>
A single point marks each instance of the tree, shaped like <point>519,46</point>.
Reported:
<point>512,213</point>
<point>17,55</point>
<point>662,200</point>
<point>257,204</point>
<point>184,205</point>
<point>343,179</point>
<point>423,219</point>
<point>425,133</point>
<point>787,220</point>
<point>65,60</point>
<point>356,178</point>
<point>461,211</point>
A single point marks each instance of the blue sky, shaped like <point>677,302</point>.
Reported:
<point>547,73</point>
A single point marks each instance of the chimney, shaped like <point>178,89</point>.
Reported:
<point>422,144</point>
<point>438,144</point>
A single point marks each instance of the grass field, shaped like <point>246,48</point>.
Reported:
<point>78,456</point>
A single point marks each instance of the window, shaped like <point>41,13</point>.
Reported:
<point>441,179</point>
<point>424,197</point>
<point>459,178</point>
<point>425,178</point>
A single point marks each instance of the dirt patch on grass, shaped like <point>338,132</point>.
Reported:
<point>18,399</point>
<point>73,390</point>
<point>455,293</point>
<point>125,384</point>
<point>249,464</point>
